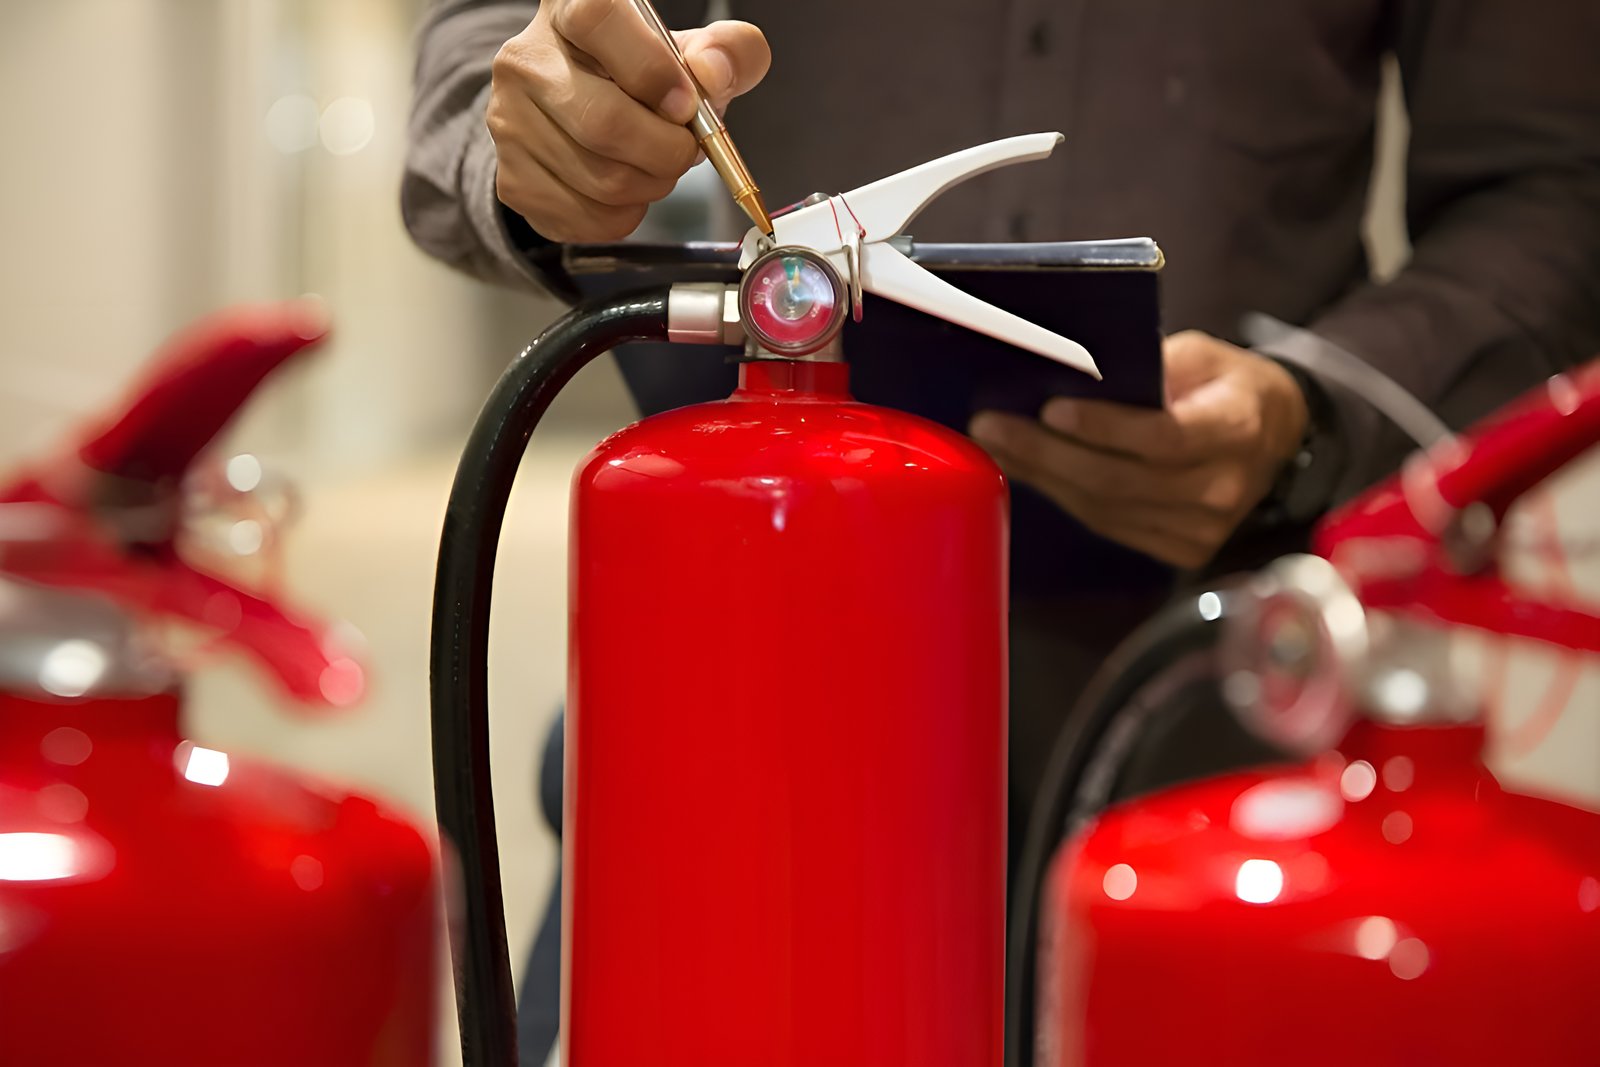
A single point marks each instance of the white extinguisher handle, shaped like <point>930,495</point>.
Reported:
<point>853,231</point>
<point>884,208</point>
<point>885,270</point>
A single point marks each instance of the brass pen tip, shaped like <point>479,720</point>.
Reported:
<point>750,202</point>
<point>736,176</point>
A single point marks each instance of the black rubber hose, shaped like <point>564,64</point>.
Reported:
<point>459,662</point>
<point>1180,631</point>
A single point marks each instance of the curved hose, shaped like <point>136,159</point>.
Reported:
<point>459,660</point>
<point>1183,630</point>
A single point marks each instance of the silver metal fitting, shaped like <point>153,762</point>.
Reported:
<point>704,313</point>
<point>832,352</point>
<point>1471,540</point>
<point>1413,675</point>
<point>60,645</point>
<point>1293,654</point>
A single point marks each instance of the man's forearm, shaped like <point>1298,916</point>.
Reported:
<point>1503,204</point>
<point>1511,288</point>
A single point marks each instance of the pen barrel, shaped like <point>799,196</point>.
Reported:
<point>718,147</point>
<point>705,122</point>
<point>712,135</point>
<point>726,159</point>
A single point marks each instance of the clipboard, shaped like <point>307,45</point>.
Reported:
<point>1102,294</point>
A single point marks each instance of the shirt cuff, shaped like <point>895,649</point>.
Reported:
<point>489,218</point>
<point>1360,401</point>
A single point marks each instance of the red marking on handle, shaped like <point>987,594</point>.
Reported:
<point>860,229</point>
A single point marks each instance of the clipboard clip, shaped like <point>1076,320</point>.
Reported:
<point>860,232</point>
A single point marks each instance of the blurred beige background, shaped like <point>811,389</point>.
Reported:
<point>169,157</point>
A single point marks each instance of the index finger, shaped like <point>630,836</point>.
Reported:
<point>1155,435</point>
<point>617,35</point>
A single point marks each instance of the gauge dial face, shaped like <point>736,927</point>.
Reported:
<point>1295,638</point>
<point>791,301</point>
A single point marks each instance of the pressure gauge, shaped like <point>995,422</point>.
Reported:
<point>792,301</point>
<point>1292,653</point>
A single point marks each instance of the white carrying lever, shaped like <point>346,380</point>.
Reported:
<point>859,225</point>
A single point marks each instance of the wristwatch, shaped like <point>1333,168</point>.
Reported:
<point>1306,484</point>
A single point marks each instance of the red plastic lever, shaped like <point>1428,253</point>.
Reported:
<point>1394,542</point>
<point>195,386</point>
<point>1537,436</point>
<point>133,462</point>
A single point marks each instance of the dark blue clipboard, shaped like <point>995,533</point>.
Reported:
<point>1102,294</point>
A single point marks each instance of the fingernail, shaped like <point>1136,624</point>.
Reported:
<point>715,71</point>
<point>1060,415</point>
<point>679,104</point>
<point>985,427</point>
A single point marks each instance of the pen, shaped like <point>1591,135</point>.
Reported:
<point>713,135</point>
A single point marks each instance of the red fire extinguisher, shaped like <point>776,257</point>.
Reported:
<point>785,762</point>
<point>163,902</point>
<point>1386,901</point>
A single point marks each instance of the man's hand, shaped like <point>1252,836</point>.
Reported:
<point>588,110</point>
<point>1173,483</point>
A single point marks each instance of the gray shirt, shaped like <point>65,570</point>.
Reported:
<point>1238,133</point>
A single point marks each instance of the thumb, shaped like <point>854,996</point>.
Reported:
<point>728,58</point>
<point>1189,360</point>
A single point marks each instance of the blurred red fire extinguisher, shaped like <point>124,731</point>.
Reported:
<point>162,902</point>
<point>1386,901</point>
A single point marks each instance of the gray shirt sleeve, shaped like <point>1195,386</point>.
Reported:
<point>447,195</point>
<point>1503,205</point>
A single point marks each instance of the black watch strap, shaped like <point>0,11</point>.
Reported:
<point>1306,485</point>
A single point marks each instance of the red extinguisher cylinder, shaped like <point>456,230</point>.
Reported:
<point>1390,904</point>
<point>1387,901</point>
<point>785,807</point>
<point>164,903</point>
